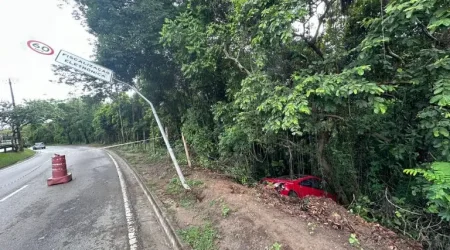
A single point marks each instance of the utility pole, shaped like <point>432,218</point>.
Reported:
<point>15,126</point>
<point>12,93</point>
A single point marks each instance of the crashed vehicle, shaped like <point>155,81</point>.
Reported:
<point>299,186</point>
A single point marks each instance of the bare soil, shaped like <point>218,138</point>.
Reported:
<point>256,218</point>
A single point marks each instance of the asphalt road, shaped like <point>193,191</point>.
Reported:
<point>87,213</point>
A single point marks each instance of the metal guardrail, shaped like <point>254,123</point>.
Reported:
<point>8,142</point>
<point>129,143</point>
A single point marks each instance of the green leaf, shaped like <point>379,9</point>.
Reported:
<point>435,132</point>
<point>444,132</point>
<point>435,98</point>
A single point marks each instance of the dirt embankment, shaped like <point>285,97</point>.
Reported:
<point>221,214</point>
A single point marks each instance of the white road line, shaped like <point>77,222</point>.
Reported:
<point>128,214</point>
<point>23,176</point>
<point>13,193</point>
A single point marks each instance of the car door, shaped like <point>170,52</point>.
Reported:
<point>309,186</point>
<point>317,187</point>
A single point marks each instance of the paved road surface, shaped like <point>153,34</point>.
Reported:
<point>86,213</point>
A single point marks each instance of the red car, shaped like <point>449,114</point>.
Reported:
<point>299,186</point>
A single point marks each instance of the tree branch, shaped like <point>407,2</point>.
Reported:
<point>313,46</point>
<point>321,18</point>
<point>227,55</point>
<point>312,42</point>
<point>391,53</point>
<point>385,193</point>
<point>425,30</point>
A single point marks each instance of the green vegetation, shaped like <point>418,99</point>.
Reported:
<point>200,238</point>
<point>438,192</point>
<point>186,198</point>
<point>9,158</point>
<point>225,210</point>
<point>257,88</point>
<point>175,187</point>
<point>353,240</point>
<point>276,246</point>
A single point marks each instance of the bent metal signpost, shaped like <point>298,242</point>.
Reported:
<point>86,66</point>
<point>102,73</point>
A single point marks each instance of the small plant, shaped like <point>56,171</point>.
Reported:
<point>225,210</point>
<point>353,240</point>
<point>362,207</point>
<point>276,246</point>
<point>194,183</point>
<point>187,202</point>
<point>200,238</point>
<point>174,186</point>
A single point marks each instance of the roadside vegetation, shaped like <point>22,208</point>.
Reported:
<point>200,238</point>
<point>254,217</point>
<point>359,97</point>
<point>9,158</point>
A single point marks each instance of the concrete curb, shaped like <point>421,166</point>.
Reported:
<point>156,205</point>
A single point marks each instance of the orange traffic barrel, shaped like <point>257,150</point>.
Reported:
<point>59,171</point>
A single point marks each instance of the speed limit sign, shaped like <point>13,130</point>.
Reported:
<point>40,47</point>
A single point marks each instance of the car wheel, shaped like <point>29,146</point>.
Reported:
<point>293,194</point>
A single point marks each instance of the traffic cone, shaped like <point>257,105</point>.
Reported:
<point>59,171</point>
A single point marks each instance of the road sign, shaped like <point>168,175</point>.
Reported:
<point>85,66</point>
<point>40,47</point>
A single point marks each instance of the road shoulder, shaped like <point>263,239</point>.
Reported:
<point>153,228</point>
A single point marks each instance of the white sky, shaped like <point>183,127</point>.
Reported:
<point>30,72</point>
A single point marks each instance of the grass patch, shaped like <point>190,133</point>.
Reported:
<point>185,198</point>
<point>200,238</point>
<point>7,159</point>
<point>175,187</point>
<point>225,209</point>
<point>187,202</point>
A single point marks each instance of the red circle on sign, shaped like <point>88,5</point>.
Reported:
<point>40,47</point>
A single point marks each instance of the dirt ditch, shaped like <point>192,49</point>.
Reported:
<point>221,214</point>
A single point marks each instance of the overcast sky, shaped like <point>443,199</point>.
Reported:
<point>30,72</point>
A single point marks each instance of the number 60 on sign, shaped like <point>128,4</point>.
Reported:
<point>40,47</point>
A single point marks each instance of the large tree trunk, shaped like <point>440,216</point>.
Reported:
<point>13,139</point>
<point>69,138</point>
<point>19,137</point>
<point>121,125</point>
<point>85,136</point>
<point>323,139</point>
<point>291,167</point>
